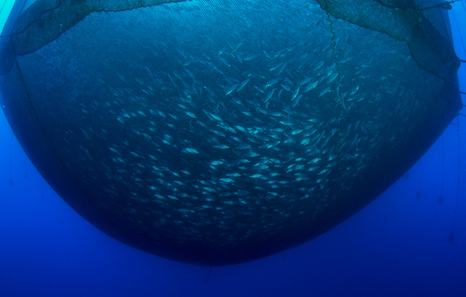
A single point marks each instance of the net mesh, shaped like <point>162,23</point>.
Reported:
<point>218,132</point>
<point>45,20</point>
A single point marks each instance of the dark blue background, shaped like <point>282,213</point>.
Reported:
<point>397,246</point>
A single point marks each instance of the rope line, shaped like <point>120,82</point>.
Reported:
<point>340,96</point>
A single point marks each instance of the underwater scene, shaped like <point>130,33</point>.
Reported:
<point>232,147</point>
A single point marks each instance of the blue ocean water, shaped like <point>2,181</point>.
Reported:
<point>397,246</point>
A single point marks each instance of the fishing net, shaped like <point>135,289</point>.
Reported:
<point>219,132</point>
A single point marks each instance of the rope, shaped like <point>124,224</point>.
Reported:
<point>443,169</point>
<point>460,35</point>
<point>451,238</point>
<point>340,96</point>
<point>10,178</point>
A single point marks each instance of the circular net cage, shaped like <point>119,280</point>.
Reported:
<point>219,132</point>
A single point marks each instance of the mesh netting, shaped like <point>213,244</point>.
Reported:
<point>401,20</point>
<point>45,20</point>
<point>218,132</point>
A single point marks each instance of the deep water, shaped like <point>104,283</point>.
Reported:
<point>400,245</point>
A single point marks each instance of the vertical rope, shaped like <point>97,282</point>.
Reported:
<point>459,29</point>
<point>3,6</point>
<point>451,238</point>
<point>418,194</point>
<point>208,275</point>
<point>441,198</point>
<point>10,178</point>
<point>339,96</point>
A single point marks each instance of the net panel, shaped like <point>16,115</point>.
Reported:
<point>217,132</point>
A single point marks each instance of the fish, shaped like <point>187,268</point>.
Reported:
<point>269,95</point>
<point>242,85</point>
<point>311,87</point>
<point>190,150</point>
<point>271,83</point>
<point>231,89</point>
<point>295,93</point>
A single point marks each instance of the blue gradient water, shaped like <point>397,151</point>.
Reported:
<point>397,246</point>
